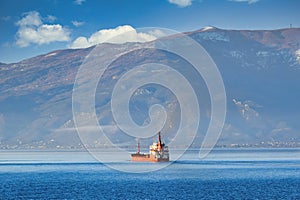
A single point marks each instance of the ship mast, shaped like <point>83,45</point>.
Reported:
<point>139,146</point>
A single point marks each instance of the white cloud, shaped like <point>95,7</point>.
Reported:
<point>51,18</point>
<point>157,33</point>
<point>33,31</point>
<point>80,42</point>
<point>31,19</point>
<point>79,2</point>
<point>247,1</point>
<point>118,35</point>
<point>77,23</point>
<point>181,3</point>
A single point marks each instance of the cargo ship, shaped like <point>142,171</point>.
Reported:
<point>158,152</point>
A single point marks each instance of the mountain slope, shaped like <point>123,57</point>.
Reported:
<point>260,70</point>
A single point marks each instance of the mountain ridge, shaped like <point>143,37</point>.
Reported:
<point>36,104</point>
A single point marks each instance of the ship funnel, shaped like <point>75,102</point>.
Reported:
<point>159,140</point>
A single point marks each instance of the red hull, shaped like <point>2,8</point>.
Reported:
<point>147,158</point>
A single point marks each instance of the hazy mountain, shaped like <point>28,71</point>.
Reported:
<point>260,69</point>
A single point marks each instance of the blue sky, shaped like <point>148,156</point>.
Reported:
<point>33,27</point>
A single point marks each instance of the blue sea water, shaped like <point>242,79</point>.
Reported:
<point>224,174</point>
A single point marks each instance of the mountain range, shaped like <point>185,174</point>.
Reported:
<point>260,71</point>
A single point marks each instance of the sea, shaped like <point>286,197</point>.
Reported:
<point>223,174</point>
